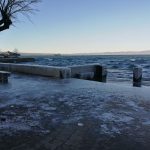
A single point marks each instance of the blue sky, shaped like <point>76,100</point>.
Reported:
<point>86,26</point>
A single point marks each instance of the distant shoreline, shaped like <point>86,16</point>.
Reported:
<point>145,52</point>
<point>92,54</point>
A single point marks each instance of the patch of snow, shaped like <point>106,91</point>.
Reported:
<point>133,105</point>
<point>80,124</point>
<point>115,130</point>
<point>106,117</point>
<point>106,130</point>
<point>61,99</point>
<point>125,119</point>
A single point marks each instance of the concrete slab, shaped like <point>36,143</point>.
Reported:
<point>42,70</point>
<point>41,113</point>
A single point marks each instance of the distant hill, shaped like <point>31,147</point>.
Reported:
<point>145,52</point>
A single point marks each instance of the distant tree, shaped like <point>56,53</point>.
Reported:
<point>16,51</point>
<point>9,9</point>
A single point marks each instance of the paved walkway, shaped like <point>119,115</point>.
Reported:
<point>39,113</point>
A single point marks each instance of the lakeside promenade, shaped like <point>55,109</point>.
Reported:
<point>72,114</point>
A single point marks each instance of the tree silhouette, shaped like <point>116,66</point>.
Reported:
<point>10,8</point>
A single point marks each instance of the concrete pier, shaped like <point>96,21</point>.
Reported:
<point>57,72</point>
<point>93,72</point>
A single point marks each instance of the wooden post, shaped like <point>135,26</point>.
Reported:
<point>137,76</point>
<point>4,76</point>
<point>100,73</point>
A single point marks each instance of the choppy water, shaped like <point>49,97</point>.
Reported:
<point>119,67</point>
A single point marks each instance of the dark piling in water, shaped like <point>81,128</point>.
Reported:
<point>137,76</point>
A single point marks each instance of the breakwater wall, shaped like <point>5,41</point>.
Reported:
<point>17,60</point>
<point>94,72</point>
<point>58,72</point>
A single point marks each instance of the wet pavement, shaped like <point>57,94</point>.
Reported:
<point>40,113</point>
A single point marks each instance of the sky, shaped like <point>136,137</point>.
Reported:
<point>81,26</point>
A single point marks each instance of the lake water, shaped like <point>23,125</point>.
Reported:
<point>119,67</point>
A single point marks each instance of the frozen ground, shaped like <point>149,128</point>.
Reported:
<point>40,113</point>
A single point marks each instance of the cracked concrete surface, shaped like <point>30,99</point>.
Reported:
<point>41,113</point>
